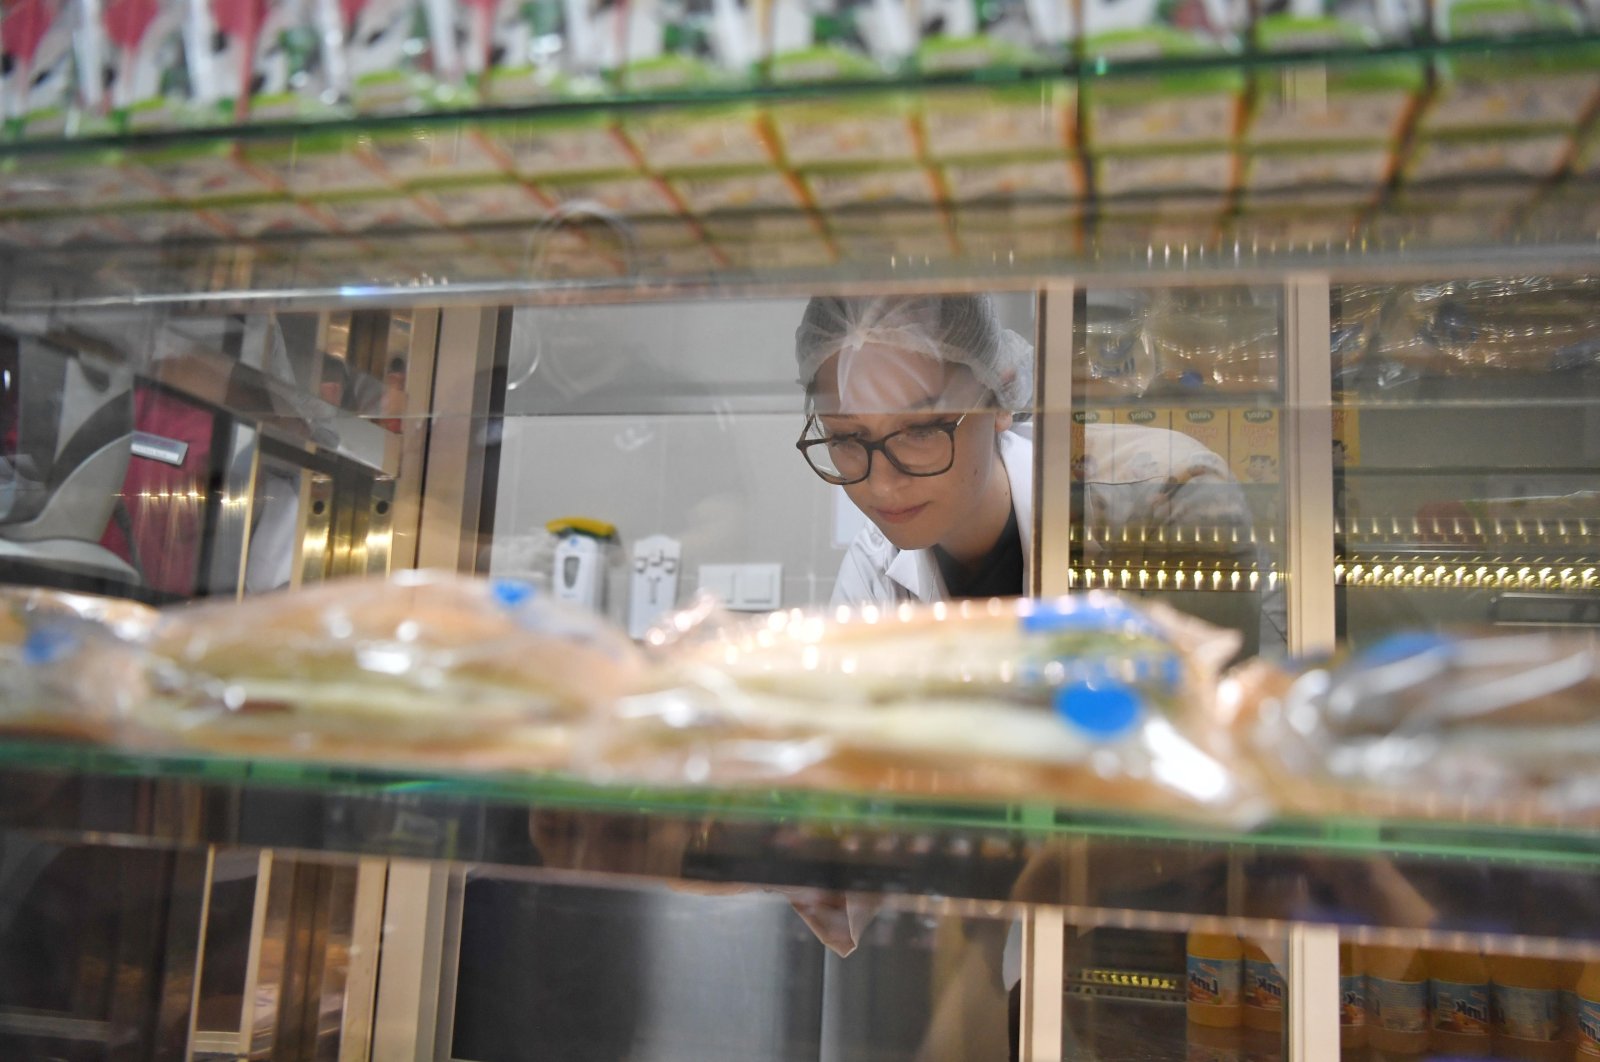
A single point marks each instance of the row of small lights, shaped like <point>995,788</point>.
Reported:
<point>1460,576</point>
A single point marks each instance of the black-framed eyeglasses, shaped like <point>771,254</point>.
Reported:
<point>920,450</point>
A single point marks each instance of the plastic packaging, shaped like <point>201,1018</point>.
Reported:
<point>1264,990</point>
<point>1586,1023</point>
<point>1215,968</point>
<point>39,82</point>
<point>1459,1005</point>
<point>1397,1000</point>
<point>1086,700</point>
<point>423,666</point>
<point>1527,1008</point>
<point>1352,996</point>
<point>1432,724</point>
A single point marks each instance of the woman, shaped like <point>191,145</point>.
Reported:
<point>911,407</point>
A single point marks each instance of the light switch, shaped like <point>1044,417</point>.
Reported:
<point>718,579</point>
<point>758,587</point>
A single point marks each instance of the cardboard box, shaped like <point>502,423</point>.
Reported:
<point>1206,425</point>
<point>1254,444</point>
<point>1346,437</point>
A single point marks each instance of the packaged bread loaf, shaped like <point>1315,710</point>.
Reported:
<point>1085,700</point>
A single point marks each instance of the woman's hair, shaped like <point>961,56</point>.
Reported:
<point>957,329</point>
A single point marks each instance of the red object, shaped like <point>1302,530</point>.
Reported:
<point>166,504</point>
<point>23,24</point>
<point>127,21</point>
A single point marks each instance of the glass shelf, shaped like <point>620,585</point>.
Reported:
<point>573,198</point>
<point>1371,875</point>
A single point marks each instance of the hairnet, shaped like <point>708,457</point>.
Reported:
<point>958,329</point>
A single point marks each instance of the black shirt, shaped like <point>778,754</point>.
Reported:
<point>998,573</point>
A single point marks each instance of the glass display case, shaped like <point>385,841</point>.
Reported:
<point>1314,336</point>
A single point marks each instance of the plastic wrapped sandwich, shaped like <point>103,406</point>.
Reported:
<point>1085,701</point>
<point>421,667</point>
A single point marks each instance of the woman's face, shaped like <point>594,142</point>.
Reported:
<point>882,390</point>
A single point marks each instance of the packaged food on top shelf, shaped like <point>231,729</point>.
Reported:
<point>561,145</point>
<point>272,217</point>
<point>842,40</point>
<point>1088,701</point>
<point>762,189</point>
<point>1341,96</point>
<point>318,163</point>
<point>1012,180</point>
<point>434,152</point>
<point>1215,339</point>
<point>1306,169</point>
<point>378,213</point>
<point>1185,172</point>
<point>67,668</point>
<point>1010,232</point>
<point>887,186</point>
<point>1534,157</point>
<point>387,60</point>
<point>263,60</point>
<point>1465,724</point>
<point>199,172</point>
<point>1194,105</point>
<point>1520,324</point>
<point>962,36</point>
<point>503,202</point>
<point>420,667</point>
<point>685,46</point>
<point>40,83</point>
<point>141,51</point>
<point>75,180</point>
<point>628,194</point>
<point>1550,87</point>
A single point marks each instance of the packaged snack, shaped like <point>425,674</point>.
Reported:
<point>67,666</point>
<point>67,181</point>
<point>199,172</point>
<point>1254,447</point>
<point>561,145</point>
<point>39,78</point>
<point>871,186</point>
<point>1480,157</point>
<point>519,52</point>
<point>1511,90</point>
<point>318,163</point>
<point>1308,169</point>
<point>434,152</point>
<point>1017,180</point>
<point>171,222</point>
<point>386,58</point>
<point>144,65</point>
<point>1167,172</point>
<point>264,59</point>
<point>738,190</point>
<point>271,217</point>
<point>842,40</point>
<point>502,202</point>
<point>374,213</point>
<point>421,667</point>
<point>1132,109</point>
<point>1351,99</point>
<point>1085,700</point>
<point>1433,724</point>
<point>704,137</point>
<point>962,123</point>
<point>630,195</point>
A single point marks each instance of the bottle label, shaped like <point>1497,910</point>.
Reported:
<point>1352,1000</point>
<point>1460,1009</point>
<point>1527,1013</point>
<point>1398,1006</point>
<point>1214,982</point>
<point>1263,985</point>
<point>1589,1027</point>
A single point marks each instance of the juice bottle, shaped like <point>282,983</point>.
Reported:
<point>1527,1008</point>
<point>1458,1001</point>
<point>1216,969</point>
<point>1588,1023</point>
<point>1569,970</point>
<point>1352,997</point>
<point>1264,990</point>
<point>1207,1043</point>
<point>1397,1000</point>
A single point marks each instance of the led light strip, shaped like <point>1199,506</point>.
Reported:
<point>1156,577</point>
<point>1432,575</point>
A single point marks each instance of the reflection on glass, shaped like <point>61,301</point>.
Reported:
<point>1178,452</point>
<point>1464,453</point>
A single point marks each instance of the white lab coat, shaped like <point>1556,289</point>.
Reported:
<point>875,571</point>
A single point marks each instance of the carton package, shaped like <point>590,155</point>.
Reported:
<point>1206,425</point>
<point>1518,91</point>
<point>1489,156</point>
<point>386,61</point>
<point>1346,436</point>
<point>630,195</point>
<point>159,224</point>
<point>318,163</point>
<point>499,202</point>
<point>1307,168</point>
<point>67,181</point>
<point>267,217</point>
<point>961,36</point>
<point>40,81</point>
<point>1356,100</point>
<point>260,59</point>
<point>842,40</point>
<point>434,152</point>
<point>717,192</point>
<point>1133,109</point>
<point>358,214</point>
<point>1254,449</point>
<point>1167,172</point>
<point>1134,457</point>
<point>560,145</point>
<point>200,172</point>
<point>871,186</point>
<point>1016,180</point>
<point>140,49</point>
